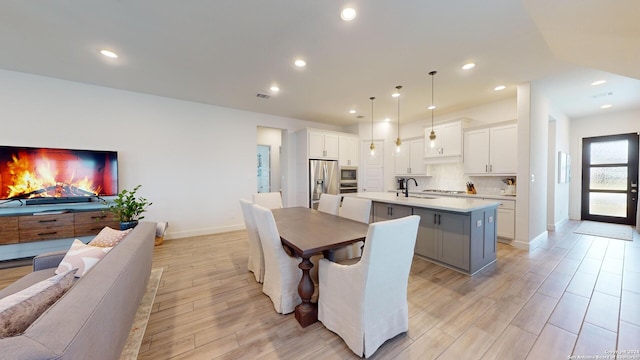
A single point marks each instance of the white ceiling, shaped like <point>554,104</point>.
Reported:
<point>224,52</point>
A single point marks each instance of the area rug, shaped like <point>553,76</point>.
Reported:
<point>614,231</point>
<point>132,347</point>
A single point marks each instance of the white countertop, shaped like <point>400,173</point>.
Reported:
<point>471,196</point>
<point>461,205</point>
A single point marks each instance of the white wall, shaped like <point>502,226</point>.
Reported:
<point>532,170</point>
<point>194,160</point>
<point>609,123</point>
<point>557,194</point>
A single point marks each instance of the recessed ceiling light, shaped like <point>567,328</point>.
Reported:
<point>606,106</point>
<point>109,54</point>
<point>352,111</point>
<point>300,63</point>
<point>599,82</point>
<point>468,66</point>
<point>274,88</point>
<point>348,14</point>
<point>395,94</point>
<point>387,119</point>
<point>499,87</point>
<point>431,107</point>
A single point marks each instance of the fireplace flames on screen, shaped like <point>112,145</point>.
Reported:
<point>49,175</point>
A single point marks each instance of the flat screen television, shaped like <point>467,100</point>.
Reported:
<point>47,175</point>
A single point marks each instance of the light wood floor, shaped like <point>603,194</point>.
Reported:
<point>576,294</point>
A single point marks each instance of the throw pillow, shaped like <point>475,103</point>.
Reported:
<point>19,310</point>
<point>81,256</point>
<point>109,237</point>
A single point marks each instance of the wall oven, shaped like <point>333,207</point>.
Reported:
<point>348,179</point>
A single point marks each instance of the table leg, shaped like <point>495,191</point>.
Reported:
<point>307,312</point>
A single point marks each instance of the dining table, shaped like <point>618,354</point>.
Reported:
<point>308,232</point>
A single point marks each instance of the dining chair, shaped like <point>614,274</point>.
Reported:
<point>366,303</point>
<point>256,258</point>
<point>356,209</point>
<point>270,200</point>
<point>281,275</point>
<point>329,203</point>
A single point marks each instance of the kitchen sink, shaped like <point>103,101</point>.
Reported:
<point>422,197</point>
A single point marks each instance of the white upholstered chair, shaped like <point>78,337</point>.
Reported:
<point>356,209</point>
<point>256,258</point>
<point>270,200</point>
<point>329,203</point>
<point>366,303</point>
<point>281,272</point>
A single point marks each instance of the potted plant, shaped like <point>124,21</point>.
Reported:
<point>128,209</point>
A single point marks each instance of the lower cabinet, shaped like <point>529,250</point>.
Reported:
<point>463,241</point>
<point>507,220</point>
<point>384,211</point>
<point>444,237</point>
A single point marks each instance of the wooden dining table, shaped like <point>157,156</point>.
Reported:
<point>307,232</point>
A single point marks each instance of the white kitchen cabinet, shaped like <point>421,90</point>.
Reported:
<point>348,150</point>
<point>447,146</point>
<point>491,151</point>
<point>507,219</point>
<point>410,160</point>
<point>323,145</point>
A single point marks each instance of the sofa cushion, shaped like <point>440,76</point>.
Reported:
<point>81,256</point>
<point>109,237</point>
<point>19,310</point>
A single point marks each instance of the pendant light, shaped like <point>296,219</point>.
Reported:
<point>432,136</point>
<point>372,146</point>
<point>398,141</point>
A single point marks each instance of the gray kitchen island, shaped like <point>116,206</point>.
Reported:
<point>454,232</point>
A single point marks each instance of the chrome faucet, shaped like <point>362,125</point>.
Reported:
<point>406,188</point>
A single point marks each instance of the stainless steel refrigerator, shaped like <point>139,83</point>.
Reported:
<point>324,177</point>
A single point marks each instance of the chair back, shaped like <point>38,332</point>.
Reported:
<point>387,256</point>
<point>256,259</point>
<point>356,209</point>
<point>329,204</point>
<point>281,271</point>
<point>270,200</point>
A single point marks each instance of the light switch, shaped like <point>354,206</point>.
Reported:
<point>479,223</point>
<point>490,219</point>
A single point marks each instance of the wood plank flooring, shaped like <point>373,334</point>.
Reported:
<point>574,295</point>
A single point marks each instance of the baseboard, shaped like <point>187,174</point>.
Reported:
<point>201,232</point>
<point>531,245</point>
<point>553,227</point>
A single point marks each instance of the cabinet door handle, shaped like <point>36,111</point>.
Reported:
<point>435,217</point>
<point>491,168</point>
<point>48,233</point>
<point>47,221</point>
<point>486,168</point>
<point>439,223</point>
<point>99,217</point>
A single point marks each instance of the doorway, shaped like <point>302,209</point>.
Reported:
<point>610,178</point>
<point>371,178</point>
<point>270,160</point>
<point>264,168</point>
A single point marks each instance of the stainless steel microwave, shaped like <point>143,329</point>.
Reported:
<point>349,174</point>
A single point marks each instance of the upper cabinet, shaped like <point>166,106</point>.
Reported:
<point>491,151</point>
<point>323,145</point>
<point>448,144</point>
<point>410,159</point>
<point>348,150</point>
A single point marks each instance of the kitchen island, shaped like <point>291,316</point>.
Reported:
<point>458,233</point>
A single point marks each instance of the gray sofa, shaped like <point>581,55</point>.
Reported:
<point>93,319</point>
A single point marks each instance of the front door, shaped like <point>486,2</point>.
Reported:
<point>610,178</point>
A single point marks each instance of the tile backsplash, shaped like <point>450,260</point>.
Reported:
<point>452,177</point>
